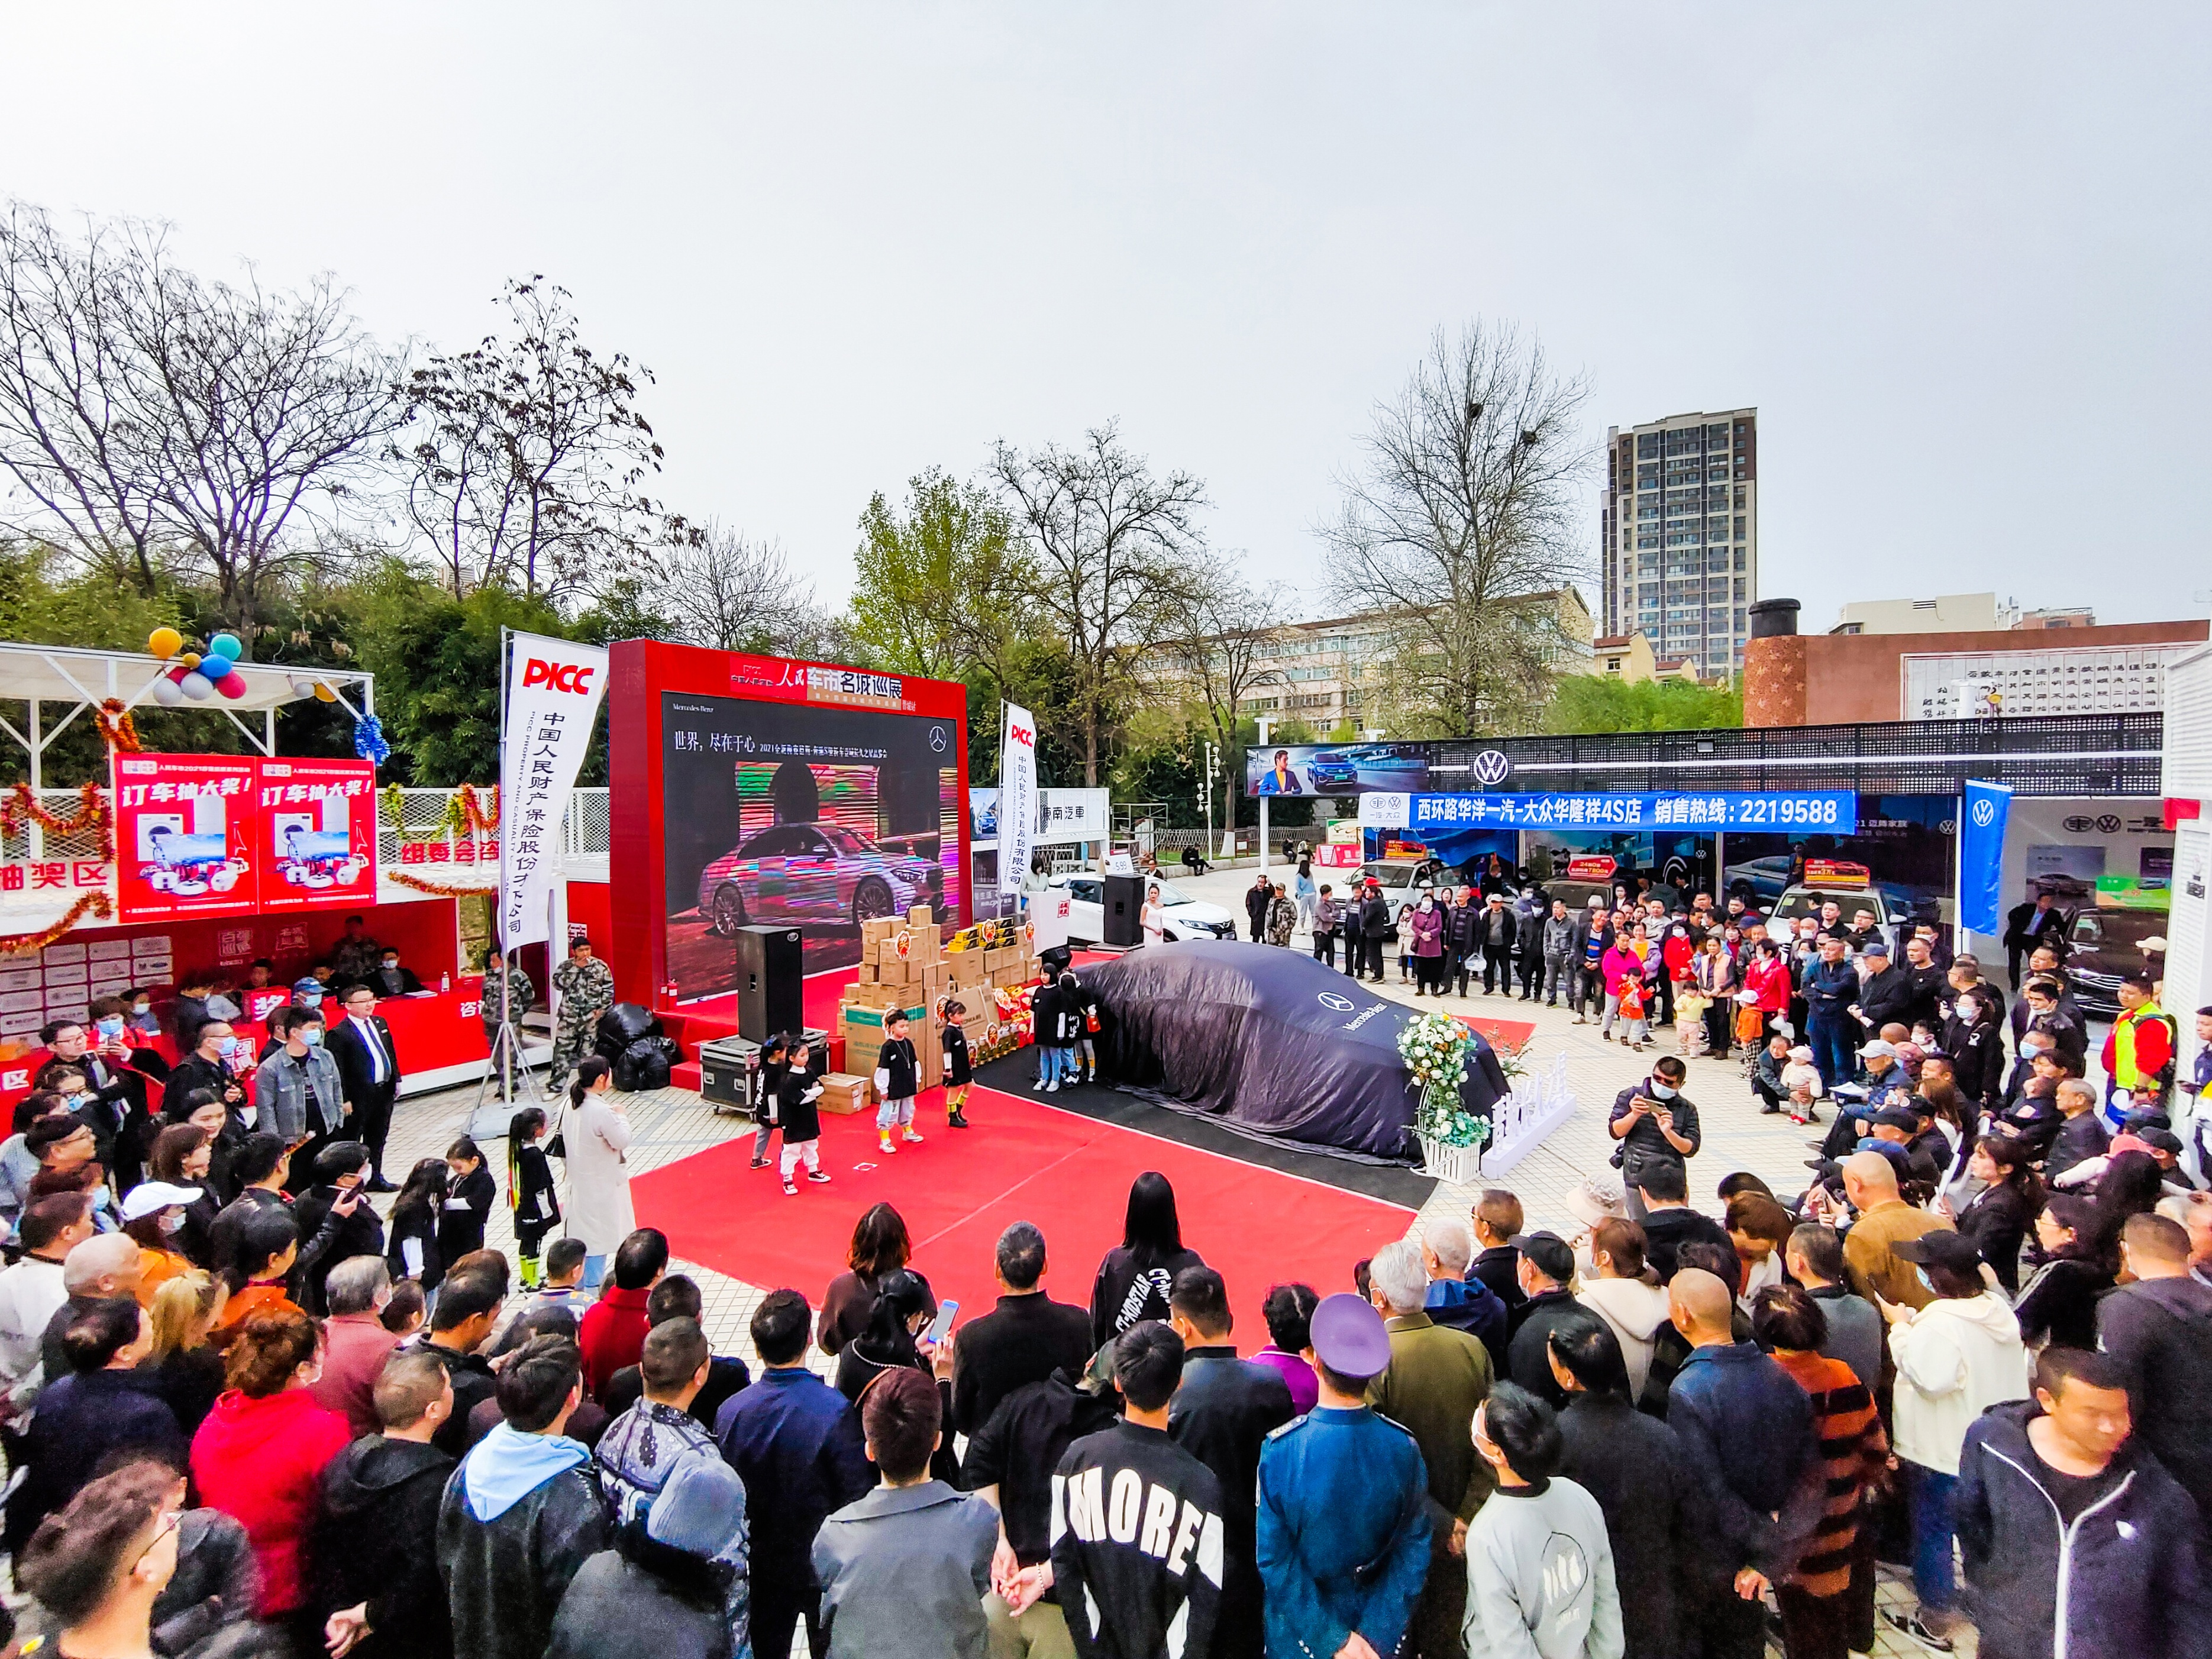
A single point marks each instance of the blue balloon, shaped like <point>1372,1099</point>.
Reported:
<point>225,645</point>
<point>217,668</point>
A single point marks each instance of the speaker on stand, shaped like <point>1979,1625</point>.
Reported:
<point>1122,922</point>
<point>770,967</point>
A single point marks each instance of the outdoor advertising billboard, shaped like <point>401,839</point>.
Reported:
<point>186,841</point>
<point>316,830</point>
<point>1332,769</point>
<point>750,789</point>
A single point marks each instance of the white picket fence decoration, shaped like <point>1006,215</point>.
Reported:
<point>1519,1122</point>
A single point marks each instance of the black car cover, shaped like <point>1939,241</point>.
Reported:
<point>1269,1042</point>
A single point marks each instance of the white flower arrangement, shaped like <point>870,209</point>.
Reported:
<point>1435,1048</point>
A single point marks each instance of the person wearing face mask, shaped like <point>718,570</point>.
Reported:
<point>213,1064</point>
<point>1656,1124</point>
<point>112,1100</point>
<point>389,979</point>
<point>298,1093</point>
<point>1425,930</point>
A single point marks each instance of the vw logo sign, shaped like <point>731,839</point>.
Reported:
<point>1985,812</point>
<point>1492,768</point>
<point>937,738</point>
<point>1337,1000</point>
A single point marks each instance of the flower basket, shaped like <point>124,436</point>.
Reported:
<point>1455,1166</point>
<point>1435,1048</point>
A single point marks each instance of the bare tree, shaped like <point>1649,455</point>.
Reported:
<point>65,420</point>
<point>148,416</point>
<point>1115,544</point>
<point>734,593</point>
<point>1468,505</point>
<point>526,456</point>
<point>261,414</point>
<point>1226,626</point>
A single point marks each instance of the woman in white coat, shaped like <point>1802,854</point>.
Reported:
<point>596,1207</point>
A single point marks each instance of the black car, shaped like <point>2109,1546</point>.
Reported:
<point>2105,947</point>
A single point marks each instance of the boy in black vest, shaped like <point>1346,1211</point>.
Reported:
<point>898,1080</point>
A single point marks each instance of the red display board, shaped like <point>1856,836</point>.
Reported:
<point>753,789</point>
<point>316,834</point>
<point>184,836</point>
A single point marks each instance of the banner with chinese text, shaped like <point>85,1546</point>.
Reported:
<point>553,692</point>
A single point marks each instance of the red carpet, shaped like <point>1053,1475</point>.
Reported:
<point>1022,1161</point>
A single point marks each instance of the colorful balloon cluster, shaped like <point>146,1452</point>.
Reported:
<point>196,674</point>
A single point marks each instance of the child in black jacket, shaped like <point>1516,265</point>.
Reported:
<point>801,1123</point>
<point>898,1080</point>
<point>959,1073</point>
<point>531,1199</point>
<point>468,1201</point>
<point>773,1067</point>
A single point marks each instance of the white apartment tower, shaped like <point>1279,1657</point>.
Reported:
<point>1681,535</point>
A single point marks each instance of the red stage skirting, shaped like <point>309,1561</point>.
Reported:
<point>1022,1161</point>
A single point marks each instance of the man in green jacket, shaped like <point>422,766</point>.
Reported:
<point>1438,1377</point>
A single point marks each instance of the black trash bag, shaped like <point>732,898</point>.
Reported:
<point>644,1065</point>
<point>622,1026</point>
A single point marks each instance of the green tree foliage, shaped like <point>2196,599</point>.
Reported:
<point>1593,702</point>
<point>940,584</point>
<point>436,663</point>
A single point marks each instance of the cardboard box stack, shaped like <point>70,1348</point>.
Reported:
<point>905,963</point>
<point>843,1094</point>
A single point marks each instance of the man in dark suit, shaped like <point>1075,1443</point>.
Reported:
<point>2036,922</point>
<point>368,1065</point>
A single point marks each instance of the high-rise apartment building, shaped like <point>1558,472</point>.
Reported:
<point>1681,535</point>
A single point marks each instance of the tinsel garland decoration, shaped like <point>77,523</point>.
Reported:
<point>474,818</point>
<point>91,813</point>
<point>438,889</point>
<point>95,904</point>
<point>116,729</point>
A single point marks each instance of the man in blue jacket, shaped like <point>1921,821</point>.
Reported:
<point>798,1446</point>
<point>2057,1508</point>
<point>1747,1428</point>
<point>1343,1524</point>
<point>1831,988</point>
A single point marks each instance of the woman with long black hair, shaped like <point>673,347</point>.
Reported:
<point>1132,1281</point>
<point>902,1310</point>
<point>412,1252</point>
<point>2058,1306</point>
<point>1997,1218</point>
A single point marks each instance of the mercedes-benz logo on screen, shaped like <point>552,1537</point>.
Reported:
<point>1492,768</point>
<point>937,739</point>
<point>1985,813</point>
<point>1337,1000</point>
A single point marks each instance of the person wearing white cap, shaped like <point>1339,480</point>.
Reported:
<point>152,1213</point>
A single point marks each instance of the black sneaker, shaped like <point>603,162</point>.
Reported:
<point>818,1175</point>
<point>378,1184</point>
<point>957,1121</point>
<point>1909,1624</point>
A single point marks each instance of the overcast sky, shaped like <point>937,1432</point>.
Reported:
<point>1956,256</point>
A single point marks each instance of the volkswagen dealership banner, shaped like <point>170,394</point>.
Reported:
<point>1833,811</point>
<point>1981,856</point>
<point>553,693</point>
<point>1017,797</point>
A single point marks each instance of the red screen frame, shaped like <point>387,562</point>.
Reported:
<point>639,673</point>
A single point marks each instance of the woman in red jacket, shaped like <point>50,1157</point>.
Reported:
<point>1768,981</point>
<point>260,1456</point>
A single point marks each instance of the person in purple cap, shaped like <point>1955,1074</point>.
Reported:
<point>1343,1521</point>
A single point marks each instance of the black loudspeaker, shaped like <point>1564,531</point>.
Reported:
<point>770,969</point>
<point>1122,922</point>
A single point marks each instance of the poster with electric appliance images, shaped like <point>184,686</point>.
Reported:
<point>184,836</point>
<point>317,833</point>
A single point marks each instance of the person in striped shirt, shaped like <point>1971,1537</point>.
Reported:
<point>1825,1614</point>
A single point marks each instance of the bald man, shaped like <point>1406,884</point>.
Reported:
<point>1870,1263</point>
<point>1747,1428</point>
